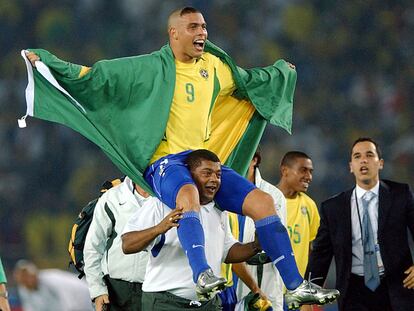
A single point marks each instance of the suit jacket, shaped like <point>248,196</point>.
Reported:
<point>334,239</point>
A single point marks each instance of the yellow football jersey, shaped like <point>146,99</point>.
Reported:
<point>303,223</point>
<point>197,87</point>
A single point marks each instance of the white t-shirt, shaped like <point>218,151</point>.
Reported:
<point>170,270</point>
<point>272,284</point>
<point>57,290</point>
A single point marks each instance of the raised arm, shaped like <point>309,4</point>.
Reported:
<point>136,241</point>
<point>33,58</point>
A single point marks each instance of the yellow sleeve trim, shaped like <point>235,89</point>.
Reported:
<point>84,71</point>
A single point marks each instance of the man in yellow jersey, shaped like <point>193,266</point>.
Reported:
<point>296,170</point>
<point>189,128</point>
<point>302,213</point>
<point>203,79</point>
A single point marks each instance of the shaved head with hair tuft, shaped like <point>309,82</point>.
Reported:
<point>174,16</point>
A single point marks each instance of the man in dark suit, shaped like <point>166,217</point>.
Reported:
<point>365,229</point>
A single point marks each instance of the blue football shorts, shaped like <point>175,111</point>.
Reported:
<point>168,174</point>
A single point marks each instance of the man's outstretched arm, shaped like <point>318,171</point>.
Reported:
<point>241,252</point>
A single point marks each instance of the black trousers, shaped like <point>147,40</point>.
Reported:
<point>361,298</point>
<point>123,295</point>
<point>165,301</point>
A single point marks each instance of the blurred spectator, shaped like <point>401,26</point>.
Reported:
<point>4,302</point>
<point>50,289</point>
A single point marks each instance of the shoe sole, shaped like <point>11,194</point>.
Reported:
<point>327,300</point>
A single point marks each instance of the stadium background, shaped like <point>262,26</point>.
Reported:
<point>355,78</point>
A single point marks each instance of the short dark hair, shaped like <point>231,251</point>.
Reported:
<point>258,156</point>
<point>194,158</point>
<point>291,156</point>
<point>369,139</point>
<point>188,10</point>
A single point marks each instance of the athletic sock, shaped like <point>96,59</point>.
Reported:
<point>274,240</point>
<point>191,235</point>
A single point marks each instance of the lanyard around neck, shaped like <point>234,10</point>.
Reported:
<point>359,216</point>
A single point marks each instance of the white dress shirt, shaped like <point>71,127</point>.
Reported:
<point>122,201</point>
<point>357,248</point>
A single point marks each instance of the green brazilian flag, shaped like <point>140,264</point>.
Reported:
<point>122,105</point>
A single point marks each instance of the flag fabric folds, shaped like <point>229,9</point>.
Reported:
<point>122,105</point>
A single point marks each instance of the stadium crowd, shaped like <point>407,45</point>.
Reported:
<point>354,77</point>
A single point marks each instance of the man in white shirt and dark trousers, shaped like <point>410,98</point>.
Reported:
<point>114,279</point>
<point>168,282</point>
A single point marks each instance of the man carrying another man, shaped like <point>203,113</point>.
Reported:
<point>168,284</point>
<point>185,115</point>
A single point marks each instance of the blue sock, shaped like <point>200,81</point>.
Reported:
<point>274,240</point>
<point>191,235</point>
